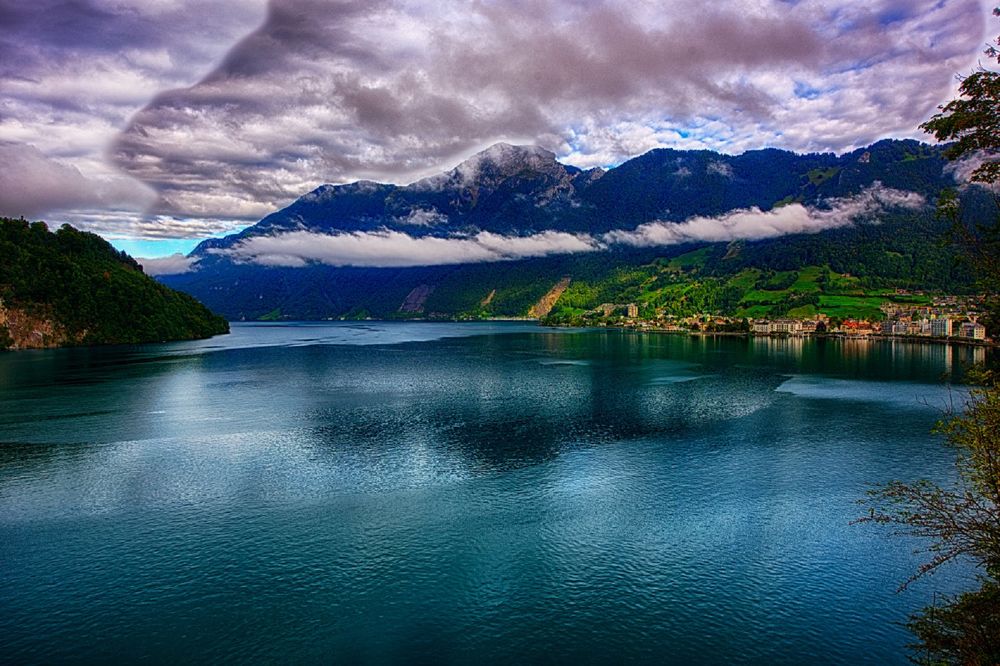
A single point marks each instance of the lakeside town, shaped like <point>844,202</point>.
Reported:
<point>946,318</point>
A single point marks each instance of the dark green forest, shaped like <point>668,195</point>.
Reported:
<point>97,294</point>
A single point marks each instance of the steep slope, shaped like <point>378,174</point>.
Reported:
<point>517,194</point>
<point>72,288</point>
<point>504,189</point>
<point>523,189</point>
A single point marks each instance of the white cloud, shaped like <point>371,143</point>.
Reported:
<point>174,264</point>
<point>757,224</point>
<point>962,171</point>
<point>126,225</point>
<point>397,249</point>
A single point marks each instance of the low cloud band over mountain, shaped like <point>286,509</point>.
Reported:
<point>389,248</point>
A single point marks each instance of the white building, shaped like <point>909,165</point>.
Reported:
<point>974,330</point>
<point>941,327</point>
<point>786,326</point>
<point>763,327</point>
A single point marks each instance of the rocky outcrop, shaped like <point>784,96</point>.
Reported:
<point>544,306</point>
<point>415,300</point>
<point>20,329</point>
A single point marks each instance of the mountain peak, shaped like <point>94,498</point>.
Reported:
<point>502,151</point>
<point>495,164</point>
<point>504,159</point>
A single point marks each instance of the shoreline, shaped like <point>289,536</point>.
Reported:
<point>968,342</point>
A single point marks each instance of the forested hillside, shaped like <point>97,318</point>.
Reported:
<point>848,267</point>
<point>772,233</point>
<point>70,287</point>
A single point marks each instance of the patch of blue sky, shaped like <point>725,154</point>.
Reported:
<point>154,248</point>
<point>894,15</point>
<point>805,91</point>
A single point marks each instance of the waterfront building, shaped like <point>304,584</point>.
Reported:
<point>786,326</point>
<point>973,330</point>
<point>856,327</point>
<point>940,327</point>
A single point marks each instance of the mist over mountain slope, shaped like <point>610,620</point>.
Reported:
<point>493,235</point>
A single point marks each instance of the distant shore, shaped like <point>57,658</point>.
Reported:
<point>969,342</point>
<point>986,344</point>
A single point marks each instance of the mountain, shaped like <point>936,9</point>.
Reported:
<point>507,225</point>
<point>504,189</point>
<point>72,288</point>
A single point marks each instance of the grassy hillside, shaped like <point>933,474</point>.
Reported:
<point>751,292</point>
<point>843,273</point>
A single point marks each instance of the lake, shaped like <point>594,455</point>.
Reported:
<point>455,493</point>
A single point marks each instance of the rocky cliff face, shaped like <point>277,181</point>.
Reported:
<point>20,329</point>
<point>544,306</point>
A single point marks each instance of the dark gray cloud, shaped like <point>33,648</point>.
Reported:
<point>333,91</point>
<point>39,184</point>
<point>72,72</point>
<point>230,108</point>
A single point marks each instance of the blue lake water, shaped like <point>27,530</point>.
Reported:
<point>455,493</point>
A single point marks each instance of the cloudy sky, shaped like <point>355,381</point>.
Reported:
<point>161,122</point>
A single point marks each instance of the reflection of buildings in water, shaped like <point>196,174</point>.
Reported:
<point>967,356</point>
<point>960,357</point>
<point>939,357</point>
<point>856,349</point>
<point>979,354</point>
<point>790,347</point>
<point>947,358</point>
<point>933,355</point>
